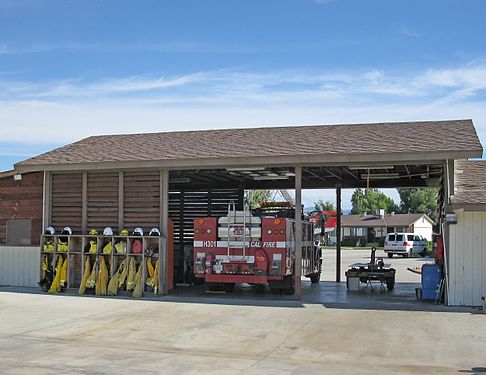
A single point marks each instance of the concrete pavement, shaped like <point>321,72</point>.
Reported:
<point>44,334</point>
<point>349,257</point>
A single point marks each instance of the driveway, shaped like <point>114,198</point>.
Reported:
<point>44,334</point>
<point>349,257</point>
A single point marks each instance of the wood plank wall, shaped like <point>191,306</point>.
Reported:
<point>66,201</point>
<point>467,259</point>
<point>134,203</point>
<point>141,199</point>
<point>102,200</point>
<point>185,206</point>
<point>22,200</point>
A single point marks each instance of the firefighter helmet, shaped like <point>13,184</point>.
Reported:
<point>154,232</point>
<point>93,232</point>
<point>137,232</point>
<point>124,232</point>
<point>107,231</point>
<point>50,230</point>
<point>67,231</point>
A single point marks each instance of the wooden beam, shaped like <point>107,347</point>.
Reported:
<point>164,230</point>
<point>338,234</point>
<point>298,232</point>
<point>315,175</point>
<point>337,159</point>
<point>121,214</point>
<point>84,203</point>
<point>333,174</point>
<point>47,200</point>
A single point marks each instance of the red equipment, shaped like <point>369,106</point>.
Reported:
<point>242,248</point>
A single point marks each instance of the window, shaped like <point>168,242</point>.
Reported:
<point>391,237</point>
<point>417,238</point>
<point>19,232</point>
<point>410,237</point>
<point>399,237</point>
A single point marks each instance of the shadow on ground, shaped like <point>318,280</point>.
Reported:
<point>329,294</point>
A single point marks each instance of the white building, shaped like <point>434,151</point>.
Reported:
<point>466,248</point>
<point>370,228</point>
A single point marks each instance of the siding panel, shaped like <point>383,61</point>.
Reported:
<point>66,203</point>
<point>22,200</point>
<point>19,266</point>
<point>141,201</point>
<point>102,198</point>
<point>467,263</point>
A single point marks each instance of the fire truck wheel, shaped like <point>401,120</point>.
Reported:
<point>219,287</point>
<point>229,287</point>
<point>259,288</point>
<point>290,290</point>
<point>315,278</point>
<point>290,287</point>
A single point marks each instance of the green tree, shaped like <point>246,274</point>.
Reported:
<point>419,201</point>
<point>321,205</point>
<point>255,197</point>
<point>368,201</point>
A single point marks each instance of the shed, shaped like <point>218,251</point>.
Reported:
<point>143,179</point>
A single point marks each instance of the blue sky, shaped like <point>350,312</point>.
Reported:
<point>70,69</point>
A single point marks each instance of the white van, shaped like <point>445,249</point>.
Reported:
<point>404,244</point>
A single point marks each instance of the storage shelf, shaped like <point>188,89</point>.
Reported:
<point>76,258</point>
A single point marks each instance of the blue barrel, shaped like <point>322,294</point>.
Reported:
<point>431,276</point>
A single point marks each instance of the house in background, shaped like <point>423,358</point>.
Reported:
<point>372,228</point>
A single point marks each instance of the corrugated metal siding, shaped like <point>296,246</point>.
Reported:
<point>467,259</point>
<point>141,199</point>
<point>19,266</point>
<point>102,200</point>
<point>67,201</point>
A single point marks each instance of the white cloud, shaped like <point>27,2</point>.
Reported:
<point>64,111</point>
<point>409,33</point>
<point>238,85</point>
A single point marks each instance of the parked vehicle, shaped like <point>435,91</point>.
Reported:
<point>243,248</point>
<point>405,244</point>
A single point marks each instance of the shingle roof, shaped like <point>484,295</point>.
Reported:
<point>379,138</point>
<point>396,220</point>
<point>469,182</point>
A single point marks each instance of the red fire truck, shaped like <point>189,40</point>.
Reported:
<point>243,248</point>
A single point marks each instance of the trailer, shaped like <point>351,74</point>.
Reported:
<point>244,248</point>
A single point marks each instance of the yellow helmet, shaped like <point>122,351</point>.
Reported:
<point>94,232</point>
<point>124,232</point>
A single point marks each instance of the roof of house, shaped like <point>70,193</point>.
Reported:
<point>456,138</point>
<point>469,182</point>
<point>389,220</point>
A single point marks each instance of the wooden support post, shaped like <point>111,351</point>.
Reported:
<point>298,231</point>
<point>84,203</point>
<point>164,230</point>
<point>121,213</point>
<point>47,200</point>
<point>448,191</point>
<point>338,234</point>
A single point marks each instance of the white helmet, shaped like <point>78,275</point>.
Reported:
<point>154,232</point>
<point>137,232</point>
<point>67,231</point>
<point>107,231</point>
<point>50,230</point>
